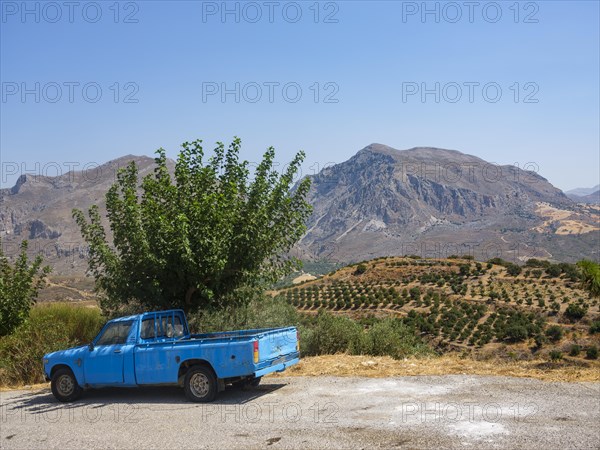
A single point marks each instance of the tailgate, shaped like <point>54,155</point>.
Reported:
<point>276,344</point>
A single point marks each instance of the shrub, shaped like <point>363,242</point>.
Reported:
<point>392,337</point>
<point>575,350</point>
<point>554,333</point>
<point>595,327</point>
<point>515,333</point>
<point>333,334</point>
<point>575,311</point>
<point>360,269</point>
<point>513,269</point>
<point>19,286</point>
<point>592,352</point>
<point>555,355</point>
<point>262,311</point>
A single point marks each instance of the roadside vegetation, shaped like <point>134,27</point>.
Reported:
<point>50,327</point>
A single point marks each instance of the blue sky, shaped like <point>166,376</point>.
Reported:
<point>543,56</point>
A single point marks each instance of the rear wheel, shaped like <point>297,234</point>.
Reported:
<point>200,384</point>
<point>64,385</point>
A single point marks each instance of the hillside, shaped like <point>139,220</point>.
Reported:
<point>461,304</point>
<point>435,202</point>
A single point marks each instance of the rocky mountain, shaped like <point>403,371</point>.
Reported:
<point>435,202</point>
<point>381,202</point>
<point>38,208</point>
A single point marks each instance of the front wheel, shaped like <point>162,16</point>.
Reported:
<point>200,384</point>
<point>64,386</point>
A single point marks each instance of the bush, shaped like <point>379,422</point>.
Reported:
<point>575,311</point>
<point>595,327</point>
<point>50,327</point>
<point>392,337</point>
<point>554,333</point>
<point>555,355</point>
<point>333,334</point>
<point>513,269</point>
<point>19,286</point>
<point>262,311</point>
<point>360,269</point>
<point>592,352</point>
<point>575,350</point>
<point>516,333</point>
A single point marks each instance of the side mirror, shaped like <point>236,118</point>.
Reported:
<point>91,346</point>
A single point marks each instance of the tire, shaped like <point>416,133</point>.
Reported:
<point>64,386</point>
<point>200,384</point>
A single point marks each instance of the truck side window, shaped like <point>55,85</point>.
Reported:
<point>115,333</point>
<point>162,326</point>
<point>178,327</point>
<point>147,328</point>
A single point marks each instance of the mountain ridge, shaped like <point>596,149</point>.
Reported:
<point>380,202</point>
<point>391,200</point>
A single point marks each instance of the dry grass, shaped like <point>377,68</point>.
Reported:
<point>384,366</point>
<point>28,387</point>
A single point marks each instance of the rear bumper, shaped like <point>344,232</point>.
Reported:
<point>278,366</point>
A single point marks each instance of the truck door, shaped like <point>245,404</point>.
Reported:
<point>155,355</point>
<point>104,364</point>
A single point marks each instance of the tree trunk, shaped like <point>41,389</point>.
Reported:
<point>188,295</point>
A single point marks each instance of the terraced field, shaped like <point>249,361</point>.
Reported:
<point>461,303</point>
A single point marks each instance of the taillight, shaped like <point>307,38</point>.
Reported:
<point>297,341</point>
<point>255,351</point>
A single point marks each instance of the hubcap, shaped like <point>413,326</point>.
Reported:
<point>65,385</point>
<point>199,385</point>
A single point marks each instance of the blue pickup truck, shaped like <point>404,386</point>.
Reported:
<point>156,348</point>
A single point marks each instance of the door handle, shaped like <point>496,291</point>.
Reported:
<point>117,351</point>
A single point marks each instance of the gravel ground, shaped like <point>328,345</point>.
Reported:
<point>326,412</point>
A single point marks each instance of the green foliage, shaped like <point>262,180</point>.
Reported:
<point>19,286</point>
<point>513,269</point>
<point>595,327</point>
<point>497,261</point>
<point>575,350</point>
<point>592,352</point>
<point>516,333</point>
<point>534,262</point>
<point>554,333</point>
<point>555,355</point>
<point>192,240</point>
<point>575,311</point>
<point>50,327</point>
<point>360,269</point>
<point>590,274</point>
<point>333,334</point>
<point>261,311</point>
<point>392,337</point>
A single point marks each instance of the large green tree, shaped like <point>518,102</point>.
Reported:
<point>590,275</point>
<point>193,239</point>
<point>19,286</point>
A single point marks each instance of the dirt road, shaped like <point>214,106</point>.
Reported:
<point>316,412</point>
